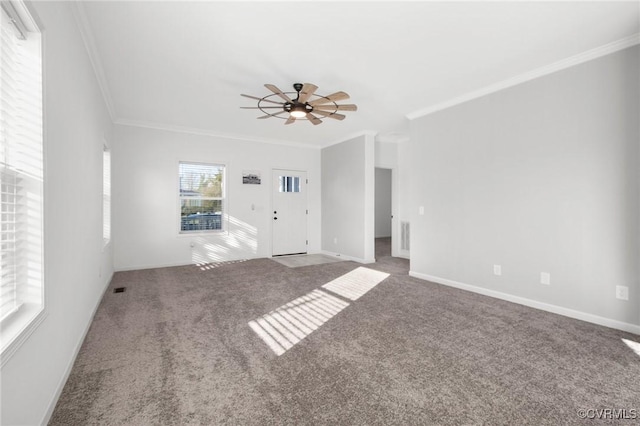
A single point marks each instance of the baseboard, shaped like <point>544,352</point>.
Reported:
<point>346,257</point>
<point>150,266</point>
<point>76,351</point>
<point>173,265</point>
<point>571,313</point>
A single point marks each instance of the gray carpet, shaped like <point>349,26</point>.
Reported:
<point>176,348</point>
<point>297,261</point>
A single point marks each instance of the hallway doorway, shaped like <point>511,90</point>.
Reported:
<point>383,209</point>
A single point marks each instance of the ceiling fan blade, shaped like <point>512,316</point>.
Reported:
<point>278,92</point>
<point>264,107</point>
<point>261,99</point>
<point>334,97</point>
<point>290,120</point>
<point>330,114</point>
<point>271,115</point>
<point>313,119</point>
<point>345,107</point>
<point>307,90</point>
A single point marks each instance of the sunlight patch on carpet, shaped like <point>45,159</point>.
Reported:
<point>635,346</point>
<point>356,283</point>
<point>287,325</point>
<point>214,265</point>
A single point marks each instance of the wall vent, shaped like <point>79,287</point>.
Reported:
<point>404,236</point>
<point>119,289</point>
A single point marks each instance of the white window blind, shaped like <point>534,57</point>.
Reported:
<point>21,173</point>
<point>106,195</point>
<point>201,197</point>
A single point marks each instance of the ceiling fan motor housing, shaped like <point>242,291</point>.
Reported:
<point>296,108</point>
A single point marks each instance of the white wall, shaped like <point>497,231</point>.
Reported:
<point>540,177</point>
<point>383,203</point>
<point>386,154</point>
<point>348,199</point>
<point>145,195</point>
<point>76,267</point>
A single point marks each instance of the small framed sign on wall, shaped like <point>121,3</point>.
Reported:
<point>251,177</point>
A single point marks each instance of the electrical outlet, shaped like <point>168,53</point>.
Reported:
<point>335,240</point>
<point>545,278</point>
<point>421,210</point>
<point>497,270</point>
<point>622,292</point>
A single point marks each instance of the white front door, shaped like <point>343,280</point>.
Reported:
<point>289,212</point>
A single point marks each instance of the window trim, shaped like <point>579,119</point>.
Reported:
<point>31,316</point>
<point>225,207</point>
<point>20,324</point>
<point>106,197</point>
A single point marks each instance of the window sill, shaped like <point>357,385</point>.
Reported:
<point>17,328</point>
<point>202,233</point>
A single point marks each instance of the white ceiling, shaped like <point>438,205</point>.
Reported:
<point>185,64</point>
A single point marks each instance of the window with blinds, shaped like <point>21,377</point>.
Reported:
<point>106,195</point>
<point>201,197</point>
<point>21,173</point>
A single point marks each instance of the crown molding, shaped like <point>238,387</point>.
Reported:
<point>90,45</point>
<point>531,75</point>
<point>205,132</point>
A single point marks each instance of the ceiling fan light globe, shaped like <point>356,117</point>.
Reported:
<point>298,113</point>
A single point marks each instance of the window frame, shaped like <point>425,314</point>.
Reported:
<point>223,198</point>
<point>106,196</point>
<point>18,325</point>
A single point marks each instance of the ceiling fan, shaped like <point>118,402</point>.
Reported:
<point>304,106</point>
